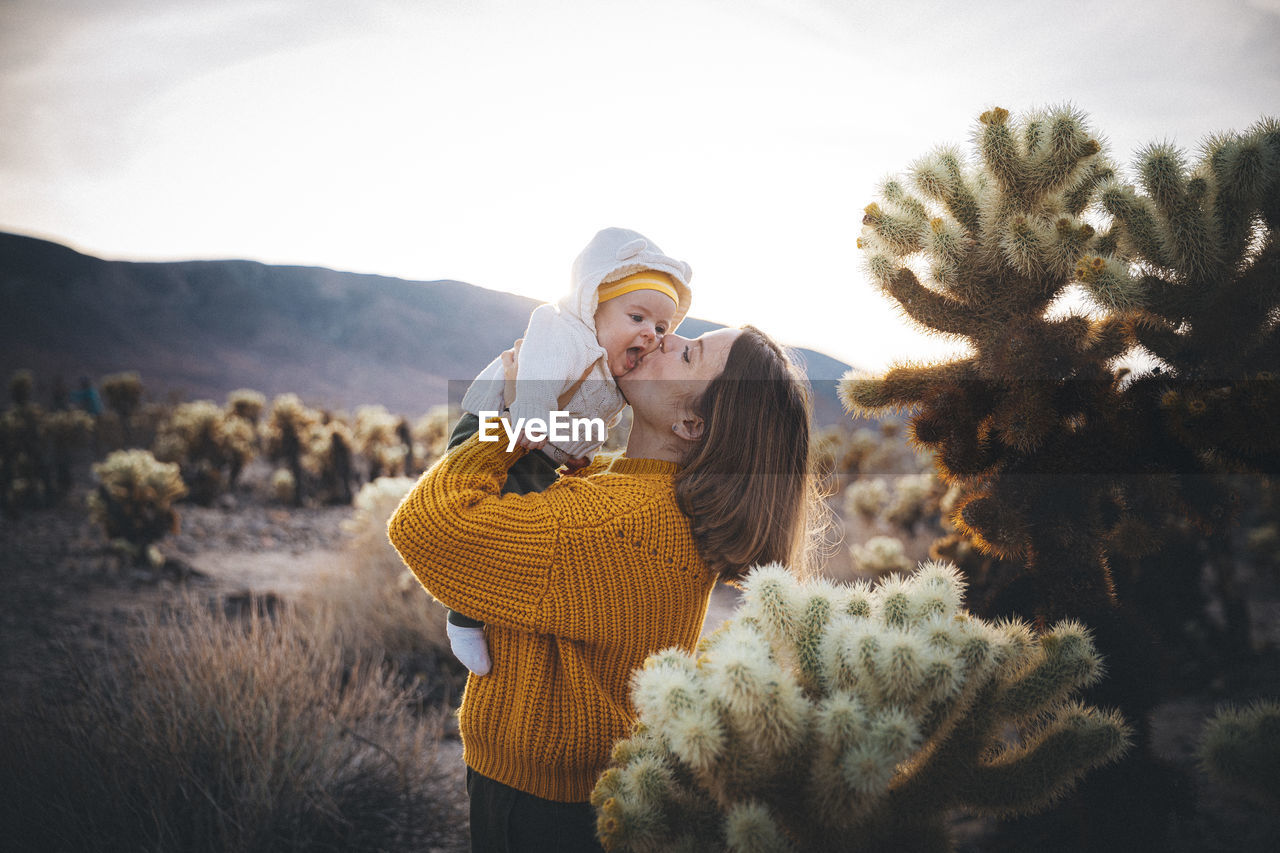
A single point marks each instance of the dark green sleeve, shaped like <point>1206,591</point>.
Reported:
<point>533,472</point>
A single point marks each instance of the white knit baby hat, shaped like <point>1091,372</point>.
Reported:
<point>618,252</point>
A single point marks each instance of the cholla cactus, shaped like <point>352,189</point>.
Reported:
<point>123,392</point>
<point>210,446</point>
<point>1241,749</point>
<point>284,488</point>
<point>67,429</point>
<point>123,395</point>
<point>134,499</point>
<point>246,404</point>
<point>20,385</point>
<point>862,451</point>
<point>866,498</point>
<point>915,498</point>
<point>431,435</point>
<point>1001,244</point>
<point>1204,237</point>
<point>380,439</point>
<point>328,459</point>
<point>880,555</point>
<point>825,717</point>
<point>286,432</point>
<point>24,472</point>
<point>1187,270</point>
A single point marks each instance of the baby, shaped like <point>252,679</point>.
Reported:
<point>626,295</point>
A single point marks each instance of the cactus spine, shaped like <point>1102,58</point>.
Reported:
<point>830,717</point>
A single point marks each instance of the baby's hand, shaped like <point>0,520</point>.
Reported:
<point>574,465</point>
<point>523,441</point>
<point>510,368</point>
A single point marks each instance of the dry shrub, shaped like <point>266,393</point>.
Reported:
<point>376,602</point>
<point>207,733</point>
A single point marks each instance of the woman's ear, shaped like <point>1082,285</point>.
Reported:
<point>688,428</point>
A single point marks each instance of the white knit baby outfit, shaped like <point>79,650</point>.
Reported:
<point>562,366</point>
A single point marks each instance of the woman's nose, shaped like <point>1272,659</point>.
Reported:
<point>669,341</point>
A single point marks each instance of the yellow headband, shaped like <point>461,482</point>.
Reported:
<point>643,280</point>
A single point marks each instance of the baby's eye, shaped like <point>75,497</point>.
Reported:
<point>685,354</point>
<point>636,318</point>
<point>662,330</point>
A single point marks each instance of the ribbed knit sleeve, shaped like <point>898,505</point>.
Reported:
<point>479,552</point>
<point>562,561</point>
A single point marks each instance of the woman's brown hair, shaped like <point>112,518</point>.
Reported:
<point>746,486</point>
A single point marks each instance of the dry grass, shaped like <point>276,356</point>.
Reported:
<point>377,605</point>
<point>203,732</point>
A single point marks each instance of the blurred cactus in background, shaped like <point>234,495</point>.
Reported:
<point>329,460</point>
<point>25,476</point>
<point>867,498</point>
<point>37,447</point>
<point>288,426</point>
<point>123,395</point>
<point>67,430</point>
<point>209,445</point>
<point>865,451</point>
<point>828,717</point>
<point>1241,749</point>
<point>133,502</point>
<point>380,439</point>
<point>21,384</point>
<point>246,404</point>
<point>880,555</point>
<point>431,435</point>
<point>284,489</point>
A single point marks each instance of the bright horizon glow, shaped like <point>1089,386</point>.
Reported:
<point>487,141</point>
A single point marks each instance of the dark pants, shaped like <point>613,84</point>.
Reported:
<point>504,820</point>
<point>532,472</point>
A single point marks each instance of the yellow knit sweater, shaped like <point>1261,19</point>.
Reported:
<point>577,585</point>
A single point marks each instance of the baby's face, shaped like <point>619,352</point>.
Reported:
<point>632,325</point>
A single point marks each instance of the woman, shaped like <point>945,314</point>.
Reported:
<point>582,582</point>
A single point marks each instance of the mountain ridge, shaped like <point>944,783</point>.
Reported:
<point>199,329</point>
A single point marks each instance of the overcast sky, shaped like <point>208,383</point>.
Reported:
<point>486,141</point>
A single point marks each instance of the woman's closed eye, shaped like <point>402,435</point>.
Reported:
<point>685,355</point>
